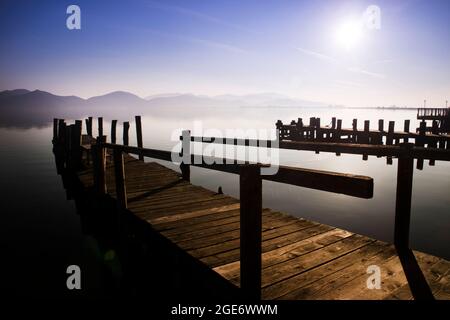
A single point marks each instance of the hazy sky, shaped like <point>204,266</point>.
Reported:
<point>314,50</point>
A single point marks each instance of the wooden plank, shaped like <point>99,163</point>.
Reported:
<point>308,261</point>
<point>193,214</point>
<point>227,232</point>
<point>227,252</point>
<point>231,270</point>
<point>332,275</point>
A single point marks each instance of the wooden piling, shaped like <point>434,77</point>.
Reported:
<point>100,127</point>
<point>119,171</point>
<point>390,139</point>
<point>139,135</point>
<point>89,126</point>
<point>99,166</point>
<point>126,128</point>
<point>113,131</point>
<point>250,230</point>
<point>355,130</point>
<point>75,144</point>
<point>55,129</point>
<point>405,171</point>
<point>381,125</point>
<point>420,142</point>
<point>365,136</point>
<point>406,129</point>
<point>300,131</point>
<point>337,138</point>
<point>186,155</point>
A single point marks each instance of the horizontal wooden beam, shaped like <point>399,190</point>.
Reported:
<point>373,150</point>
<point>344,183</point>
<point>333,147</point>
<point>145,152</point>
<point>235,141</point>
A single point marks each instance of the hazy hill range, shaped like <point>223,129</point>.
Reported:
<point>26,108</point>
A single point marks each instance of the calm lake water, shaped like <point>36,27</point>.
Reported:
<point>41,232</point>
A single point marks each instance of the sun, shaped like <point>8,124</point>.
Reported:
<point>349,34</point>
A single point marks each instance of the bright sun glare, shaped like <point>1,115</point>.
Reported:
<point>349,34</point>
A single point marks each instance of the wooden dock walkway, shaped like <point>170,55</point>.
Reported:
<point>301,259</point>
<point>293,258</point>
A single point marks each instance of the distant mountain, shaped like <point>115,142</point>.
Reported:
<point>39,107</point>
<point>10,93</point>
<point>24,108</point>
<point>162,95</point>
<point>22,98</point>
<point>269,100</point>
<point>117,99</point>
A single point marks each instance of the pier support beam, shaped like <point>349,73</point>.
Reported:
<point>119,170</point>
<point>403,198</point>
<point>251,230</point>
<point>186,155</point>
<point>139,134</point>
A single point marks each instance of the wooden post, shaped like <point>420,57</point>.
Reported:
<point>55,130</point>
<point>100,127</point>
<point>337,137</point>
<point>366,136</point>
<point>99,162</point>
<point>366,131</point>
<point>333,129</point>
<point>139,135</point>
<point>121,189</point>
<point>420,142</point>
<point>319,135</point>
<point>300,130</point>
<point>61,131</point>
<point>312,121</point>
<point>75,144</point>
<point>355,130</point>
<point>390,136</point>
<point>89,127</point>
<point>186,155</point>
<point>279,126</point>
<point>67,145</point>
<point>113,131</point>
<point>250,229</point>
<point>390,139</point>
<point>405,172</point>
<point>406,130</point>
<point>126,127</point>
<point>380,125</point>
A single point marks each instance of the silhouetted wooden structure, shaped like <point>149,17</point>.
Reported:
<point>439,117</point>
<point>268,254</point>
<point>427,137</point>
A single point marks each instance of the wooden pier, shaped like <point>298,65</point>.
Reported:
<point>433,137</point>
<point>260,252</point>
